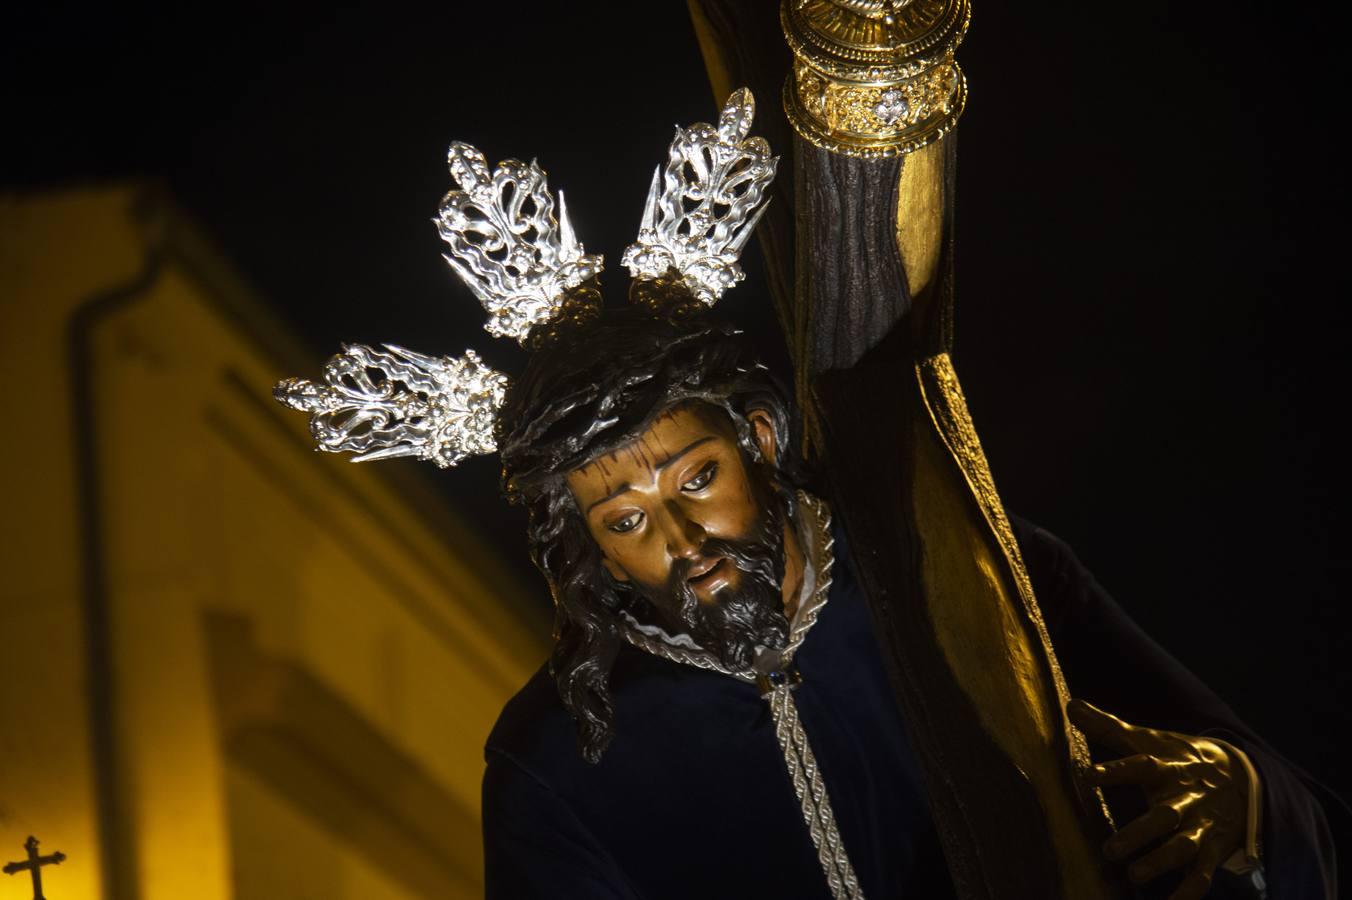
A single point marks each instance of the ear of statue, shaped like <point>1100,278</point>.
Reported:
<point>763,430</point>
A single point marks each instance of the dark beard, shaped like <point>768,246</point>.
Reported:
<point>741,619</point>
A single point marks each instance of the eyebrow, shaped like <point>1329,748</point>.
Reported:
<point>670,460</point>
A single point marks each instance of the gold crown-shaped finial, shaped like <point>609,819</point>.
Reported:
<point>874,78</point>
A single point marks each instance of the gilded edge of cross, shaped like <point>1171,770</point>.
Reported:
<point>34,865</point>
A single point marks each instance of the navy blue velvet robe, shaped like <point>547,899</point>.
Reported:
<point>692,798</point>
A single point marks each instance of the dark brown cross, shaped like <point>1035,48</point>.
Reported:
<point>34,865</point>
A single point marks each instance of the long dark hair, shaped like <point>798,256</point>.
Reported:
<point>583,395</point>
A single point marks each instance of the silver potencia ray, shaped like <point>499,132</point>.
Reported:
<point>382,404</point>
<point>521,261</point>
<point>705,203</point>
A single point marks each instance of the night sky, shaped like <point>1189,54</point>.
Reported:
<point>1150,265</point>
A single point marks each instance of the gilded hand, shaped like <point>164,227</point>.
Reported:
<point>1197,797</point>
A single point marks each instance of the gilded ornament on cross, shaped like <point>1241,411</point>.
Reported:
<point>874,78</point>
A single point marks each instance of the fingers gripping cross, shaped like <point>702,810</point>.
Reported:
<point>1197,801</point>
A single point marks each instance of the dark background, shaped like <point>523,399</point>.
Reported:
<point>1151,258</point>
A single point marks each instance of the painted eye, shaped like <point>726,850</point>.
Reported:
<point>628,523</point>
<point>701,481</point>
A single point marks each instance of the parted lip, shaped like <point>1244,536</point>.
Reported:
<point>702,568</point>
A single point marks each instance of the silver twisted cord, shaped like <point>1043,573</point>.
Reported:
<point>811,791</point>
<point>819,523</point>
<point>505,243</point>
<point>394,402</point>
<point>708,203</point>
<point>665,646</point>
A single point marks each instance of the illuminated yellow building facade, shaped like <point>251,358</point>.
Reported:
<point>229,666</point>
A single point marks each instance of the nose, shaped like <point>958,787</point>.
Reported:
<point>684,535</point>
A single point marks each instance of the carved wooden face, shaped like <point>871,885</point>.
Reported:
<point>651,504</point>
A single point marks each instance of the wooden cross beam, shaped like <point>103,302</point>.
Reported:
<point>34,865</point>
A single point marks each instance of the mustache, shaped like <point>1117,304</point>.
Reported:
<point>755,556</point>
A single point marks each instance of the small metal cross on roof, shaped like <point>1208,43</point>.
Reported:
<point>34,865</point>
